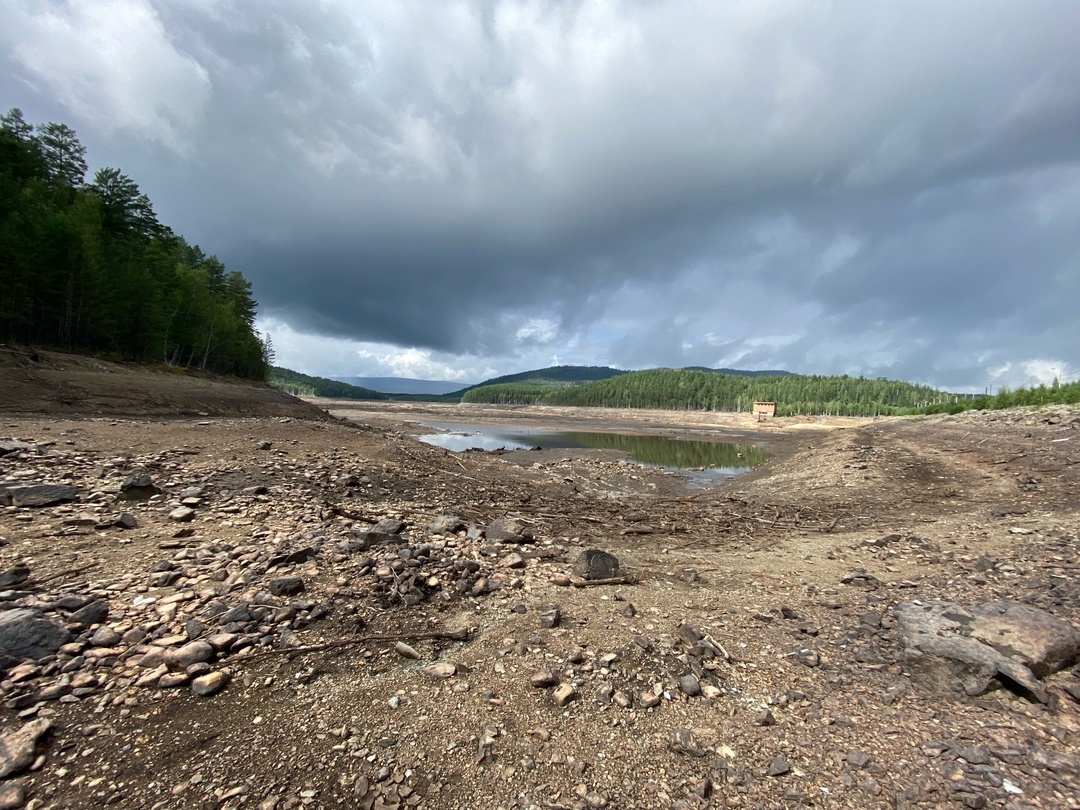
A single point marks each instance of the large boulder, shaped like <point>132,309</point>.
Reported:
<point>36,494</point>
<point>975,649</point>
<point>28,633</point>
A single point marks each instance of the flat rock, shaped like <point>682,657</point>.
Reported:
<point>37,495</point>
<point>973,650</point>
<point>92,613</point>
<point>209,684</point>
<point>28,633</point>
<point>17,747</point>
<point>597,564</point>
<point>389,526</point>
<point>182,514</point>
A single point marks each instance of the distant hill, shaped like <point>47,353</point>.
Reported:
<point>555,374</point>
<point>405,385</point>
<point>303,385</point>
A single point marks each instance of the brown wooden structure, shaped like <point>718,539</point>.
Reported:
<point>764,410</point>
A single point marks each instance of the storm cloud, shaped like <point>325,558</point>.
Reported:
<point>467,188</point>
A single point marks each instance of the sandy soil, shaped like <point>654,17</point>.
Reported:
<point>805,698</point>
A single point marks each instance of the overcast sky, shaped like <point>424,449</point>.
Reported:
<point>454,190</point>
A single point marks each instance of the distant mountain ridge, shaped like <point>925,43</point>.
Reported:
<point>405,385</point>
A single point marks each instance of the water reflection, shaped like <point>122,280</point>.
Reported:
<point>702,459</point>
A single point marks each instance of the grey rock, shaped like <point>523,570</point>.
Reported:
<point>17,747</point>
<point>286,586</point>
<point>27,633</point>
<point>125,520</point>
<point>37,495</point>
<point>264,444</point>
<point>404,650</point>
<point>105,636</point>
<point>689,685</point>
<point>16,575</point>
<point>508,530</point>
<point>296,557</point>
<point>779,766</point>
<point>551,618</point>
<point>858,759</point>
<point>446,524</point>
<point>12,795</point>
<point>182,514</point>
<point>11,446</point>
<point>138,487</point>
<point>93,613</point>
<point>389,526</point>
<point>971,651</point>
<point>597,564</point>
<point>194,652</point>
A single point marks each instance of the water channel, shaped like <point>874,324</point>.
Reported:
<point>700,460</point>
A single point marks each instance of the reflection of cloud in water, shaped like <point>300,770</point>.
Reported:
<point>703,460</point>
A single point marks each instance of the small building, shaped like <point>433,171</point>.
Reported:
<point>764,409</point>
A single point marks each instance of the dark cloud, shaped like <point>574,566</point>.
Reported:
<point>870,187</point>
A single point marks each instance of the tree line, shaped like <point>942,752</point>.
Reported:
<point>87,266</point>
<point>689,389</point>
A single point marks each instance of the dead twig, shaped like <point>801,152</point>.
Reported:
<point>585,583</point>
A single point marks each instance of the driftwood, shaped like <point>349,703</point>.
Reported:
<point>341,511</point>
<point>585,583</point>
<point>451,635</point>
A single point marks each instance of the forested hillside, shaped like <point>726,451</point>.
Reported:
<point>87,266</point>
<point>302,385</point>
<point>707,390</point>
<point>565,375</point>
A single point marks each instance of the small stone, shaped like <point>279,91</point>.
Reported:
<point>182,514</point>
<point>858,759</point>
<point>105,636</point>
<point>779,766</point>
<point>689,685</point>
<point>514,561</point>
<point>543,679</point>
<point>264,444</point>
<point>194,652</point>
<point>563,694</point>
<point>682,741</point>
<point>551,618</point>
<point>210,684</point>
<point>405,651</point>
<point>286,586</point>
<point>764,717</point>
<point>440,669</point>
<point>648,700</point>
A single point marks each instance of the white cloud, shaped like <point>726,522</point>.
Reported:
<point>111,63</point>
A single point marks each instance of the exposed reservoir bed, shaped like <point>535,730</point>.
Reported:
<point>700,460</point>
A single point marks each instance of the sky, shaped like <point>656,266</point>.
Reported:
<point>455,189</point>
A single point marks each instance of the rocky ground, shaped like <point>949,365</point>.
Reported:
<point>245,602</point>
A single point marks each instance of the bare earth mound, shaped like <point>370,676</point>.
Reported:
<point>267,607</point>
